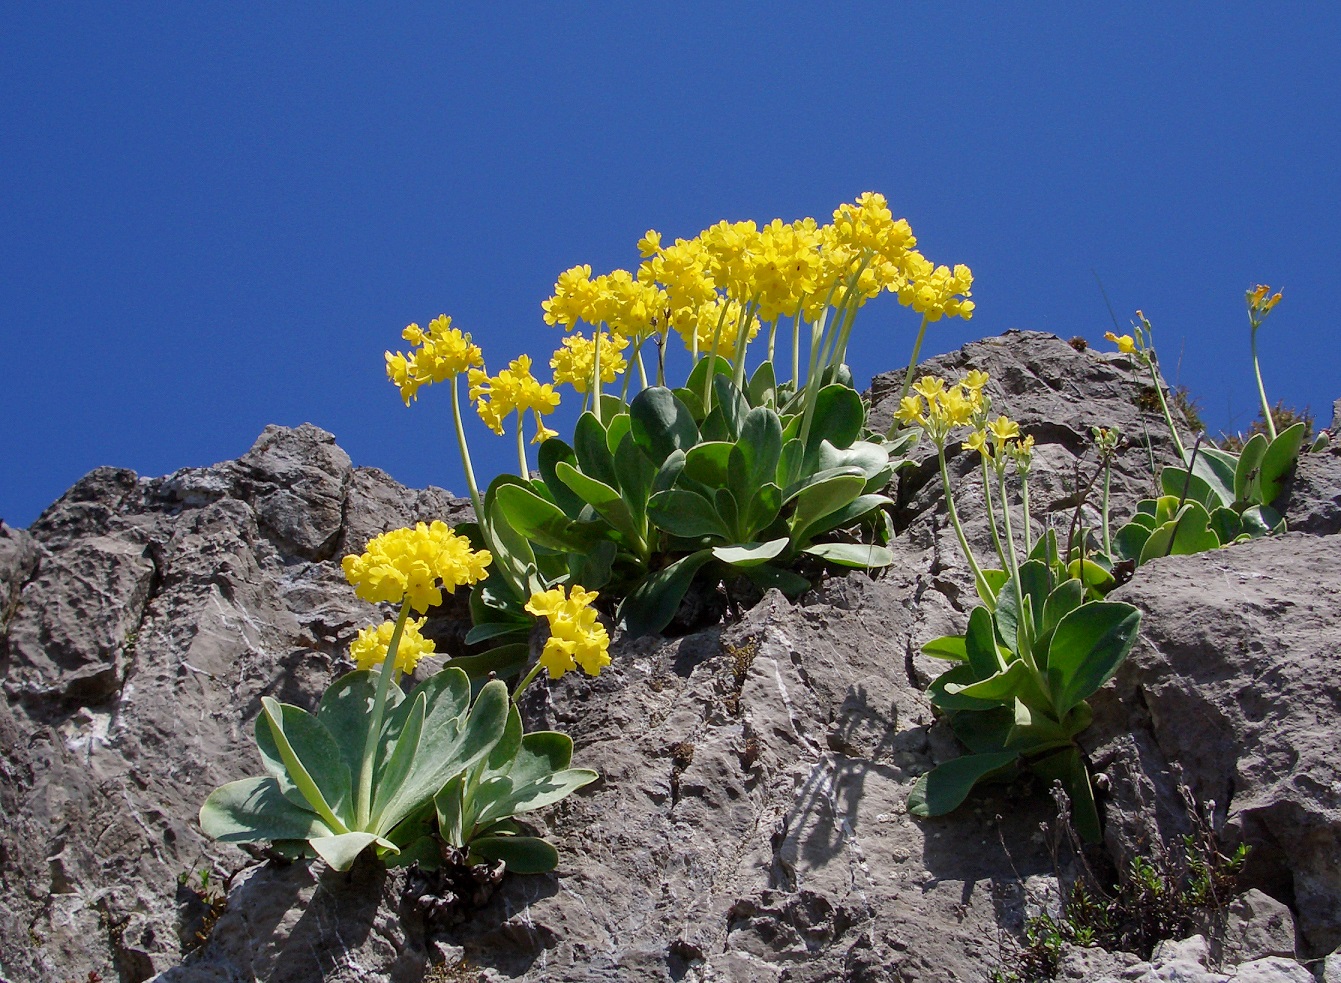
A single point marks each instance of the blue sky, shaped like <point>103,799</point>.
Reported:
<point>218,216</point>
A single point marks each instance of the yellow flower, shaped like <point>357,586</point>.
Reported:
<point>1126,344</point>
<point>1002,429</point>
<point>975,380</point>
<point>650,244</point>
<point>933,291</point>
<point>577,638</point>
<point>415,565</point>
<point>439,353</point>
<point>574,299</point>
<point>574,362</point>
<point>368,650</point>
<point>910,411</point>
<point>514,390</point>
<point>977,441</point>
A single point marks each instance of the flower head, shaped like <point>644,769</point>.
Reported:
<point>370,647</point>
<point>1126,344</point>
<point>415,565</point>
<point>513,390</point>
<point>576,638</point>
<point>575,362</point>
<point>438,354</point>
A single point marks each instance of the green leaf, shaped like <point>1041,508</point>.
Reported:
<point>392,775</point>
<point>253,811</point>
<point>1130,540</point>
<point>592,451</point>
<point>984,731</point>
<point>344,710</point>
<point>684,513</point>
<point>449,802</point>
<point>607,502</point>
<point>943,789</point>
<point>819,500</point>
<point>1087,648</point>
<point>957,676</point>
<point>1004,686</point>
<point>511,549</point>
<point>341,851</point>
<point>750,554</point>
<point>1188,532</point>
<point>653,603</point>
<point>521,854</point>
<point>1174,480</point>
<point>1068,767</point>
<point>763,385</point>
<point>636,474</point>
<point>731,402</point>
<point>298,751</point>
<point>501,629</point>
<point>505,751</point>
<point>947,647</point>
<point>850,514</point>
<point>551,452</point>
<point>709,463</point>
<point>669,473</point>
<point>993,580</point>
<point>980,645</point>
<point>617,427</point>
<point>542,522</point>
<point>839,415</point>
<point>1035,585</point>
<point>1262,520</point>
<point>1065,598</point>
<point>725,504</point>
<point>790,462</point>
<point>591,569</point>
<point>504,661</point>
<point>698,375</point>
<point>1279,460</point>
<point>858,556</point>
<point>763,509</point>
<point>1248,473</point>
<point>455,748</point>
<point>1226,524</point>
<point>759,448</point>
<point>661,423</point>
<point>1093,573</point>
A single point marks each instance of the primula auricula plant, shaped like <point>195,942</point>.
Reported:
<point>736,475</point>
<point>1212,497</point>
<point>1045,637</point>
<point>365,769</point>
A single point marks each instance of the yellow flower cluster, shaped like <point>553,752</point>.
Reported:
<point>438,354</point>
<point>576,637</point>
<point>368,650</point>
<point>999,439</point>
<point>777,270</point>
<point>574,362</point>
<point>513,390</point>
<point>938,409</point>
<point>1259,302</point>
<point>415,565</point>
<point>627,306</point>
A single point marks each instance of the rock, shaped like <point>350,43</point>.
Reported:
<point>1232,689</point>
<point>1331,968</point>
<point>152,614</point>
<point>750,822</point>
<point>1256,926</point>
<point>1311,499</point>
<point>297,923</point>
<point>1056,394</point>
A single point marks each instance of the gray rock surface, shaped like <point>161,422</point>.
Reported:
<point>750,822</point>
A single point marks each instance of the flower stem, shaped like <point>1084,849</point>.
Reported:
<point>524,471</point>
<point>363,804</point>
<point>908,375</point>
<point>1024,505</point>
<point>1164,407</point>
<point>984,589</point>
<point>1108,539</point>
<point>465,455</point>
<point>991,512</point>
<point>1261,390</point>
<point>526,681</point>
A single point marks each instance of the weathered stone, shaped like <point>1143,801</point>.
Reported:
<point>1256,926</point>
<point>750,822</point>
<point>1233,690</point>
<point>1311,500</point>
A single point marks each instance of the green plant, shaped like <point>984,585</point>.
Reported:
<point>1016,697</point>
<point>522,773</point>
<point>309,792</point>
